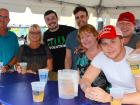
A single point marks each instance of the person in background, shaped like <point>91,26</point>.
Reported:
<point>81,18</point>
<point>112,61</point>
<point>8,42</point>
<point>126,22</point>
<point>87,35</point>
<point>36,54</point>
<point>55,38</point>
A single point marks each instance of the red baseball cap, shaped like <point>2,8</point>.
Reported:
<point>127,16</point>
<point>109,32</point>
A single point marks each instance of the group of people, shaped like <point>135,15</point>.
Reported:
<point>100,57</point>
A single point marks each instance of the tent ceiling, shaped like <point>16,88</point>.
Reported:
<point>105,3</point>
<point>104,8</point>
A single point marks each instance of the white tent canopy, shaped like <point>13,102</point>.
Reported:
<point>99,8</point>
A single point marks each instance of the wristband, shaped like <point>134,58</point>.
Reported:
<point>8,66</point>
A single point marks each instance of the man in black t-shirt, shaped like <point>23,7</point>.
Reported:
<point>55,37</point>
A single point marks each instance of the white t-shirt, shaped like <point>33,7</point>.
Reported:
<point>117,73</point>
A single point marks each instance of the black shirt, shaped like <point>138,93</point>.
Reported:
<point>57,45</point>
<point>35,58</point>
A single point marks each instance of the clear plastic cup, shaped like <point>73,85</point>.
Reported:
<point>1,65</point>
<point>134,62</point>
<point>117,94</point>
<point>38,91</point>
<point>43,75</point>
<point>23,66</point>
<point>0,72</point>
<point>68,83</point>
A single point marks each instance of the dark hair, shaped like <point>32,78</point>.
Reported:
<point>49,12</point>
<point>80,8</point>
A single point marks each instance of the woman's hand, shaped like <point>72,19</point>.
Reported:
<point>97,94</point>
<point>31,72</point>
<point>19,69</point>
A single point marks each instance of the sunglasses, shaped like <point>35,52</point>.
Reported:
<point>3,17</point>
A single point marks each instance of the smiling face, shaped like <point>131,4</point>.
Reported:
<point>4,19</point>
<point>112,48</point>
<point>88,40</point>
<point>87,36</point>
<point>81,18</point>
<point>126,27</point>
<point>34,34</point>
<point>51,21</point>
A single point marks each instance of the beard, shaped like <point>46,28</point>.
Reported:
<point>82,23</point>
<point>54,28</point>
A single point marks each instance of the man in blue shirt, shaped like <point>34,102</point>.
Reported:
<point>81,18</point>
<point>8,42</point>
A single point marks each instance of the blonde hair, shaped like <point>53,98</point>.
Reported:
<point>87,28</point>
<point>32,28</point>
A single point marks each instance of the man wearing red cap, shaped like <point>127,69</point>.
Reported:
<point>126,22</point>
<point>112,61</point>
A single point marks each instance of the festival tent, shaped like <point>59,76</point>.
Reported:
<point>106,9</point>
<point>99,8</point>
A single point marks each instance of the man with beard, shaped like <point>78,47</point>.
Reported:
<point>8,42</point>
<point>81,18</point>
<point>55,37</point>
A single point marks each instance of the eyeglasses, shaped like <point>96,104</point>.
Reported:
<point>3,17</point>
<point>35,32</point>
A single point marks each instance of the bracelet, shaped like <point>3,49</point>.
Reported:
<point>8,66</point>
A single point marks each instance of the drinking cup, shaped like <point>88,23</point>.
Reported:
<point>43,75</point>
<point>117,94</point>
<point>134,62</point>
<point>68,83</point>
<point>38,91</point>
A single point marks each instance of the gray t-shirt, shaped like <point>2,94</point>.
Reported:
<point>134,39</point>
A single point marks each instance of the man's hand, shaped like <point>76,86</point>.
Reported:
<point>97,94</point>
